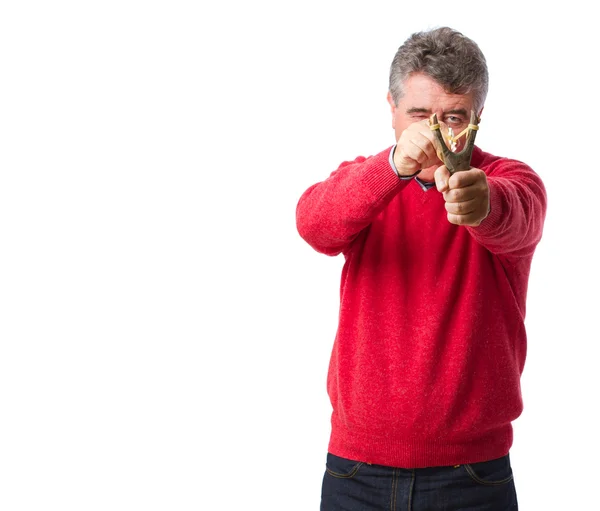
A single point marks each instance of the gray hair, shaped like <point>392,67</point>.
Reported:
<point>448,57</point>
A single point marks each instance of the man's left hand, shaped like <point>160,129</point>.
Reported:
<point>466,193</point>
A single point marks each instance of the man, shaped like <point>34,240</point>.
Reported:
<point>424,377</point>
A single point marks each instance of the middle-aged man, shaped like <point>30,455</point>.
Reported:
<point>424,377</point>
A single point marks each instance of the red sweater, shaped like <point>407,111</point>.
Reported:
<point>426,364</point>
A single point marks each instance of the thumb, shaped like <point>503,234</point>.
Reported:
<point>442,175</point>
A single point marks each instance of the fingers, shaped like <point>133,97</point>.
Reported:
<point>415,149</point>
<point>460,194</point>
<point>416,146</point>
<point>466,196</point>
<point>465,178</point>
<point>442,176</point>
<point>462,208</point>
<point>472,219</point>
<point>421,149</point>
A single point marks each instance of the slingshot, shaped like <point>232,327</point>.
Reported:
<point>455,161</point>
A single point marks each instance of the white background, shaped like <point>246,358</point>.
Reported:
<point>164,331</point>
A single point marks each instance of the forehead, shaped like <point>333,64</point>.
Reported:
<point>421,91</point>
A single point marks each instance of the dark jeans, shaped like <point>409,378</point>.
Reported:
<point>355,486</point>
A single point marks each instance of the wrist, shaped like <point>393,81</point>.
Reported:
<point>398,170</point>
<point>406,176</point>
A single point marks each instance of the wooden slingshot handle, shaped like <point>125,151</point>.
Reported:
<point>455,162</point>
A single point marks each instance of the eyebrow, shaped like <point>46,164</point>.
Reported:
<point>417,110</point>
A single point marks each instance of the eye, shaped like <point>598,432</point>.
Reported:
<point>453,119</point>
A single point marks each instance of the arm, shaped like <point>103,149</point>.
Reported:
<point>330,214</point>
<point>517,199</point>
<point>503,209</point>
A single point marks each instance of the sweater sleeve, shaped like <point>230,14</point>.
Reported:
<point>517,210</point>
<point>331,214</point>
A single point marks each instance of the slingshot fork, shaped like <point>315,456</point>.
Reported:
<point>455,162</point>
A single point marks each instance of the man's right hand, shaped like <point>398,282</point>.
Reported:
<point>415,150</point>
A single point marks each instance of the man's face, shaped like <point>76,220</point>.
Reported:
<point>423,97</point>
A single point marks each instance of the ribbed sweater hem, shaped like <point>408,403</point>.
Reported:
<point>403,452</point>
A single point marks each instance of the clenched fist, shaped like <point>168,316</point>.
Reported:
<point>415,151</point>
<point>466,193</point>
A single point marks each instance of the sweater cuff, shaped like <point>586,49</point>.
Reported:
<point>380,178</point>
<point>491,222</point>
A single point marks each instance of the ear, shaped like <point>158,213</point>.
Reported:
<point>393,107</point>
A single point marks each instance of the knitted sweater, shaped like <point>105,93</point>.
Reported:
<point>426,363</point>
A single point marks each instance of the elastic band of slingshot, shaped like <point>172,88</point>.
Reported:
<point>465,131</point>
<point>461,134</point>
